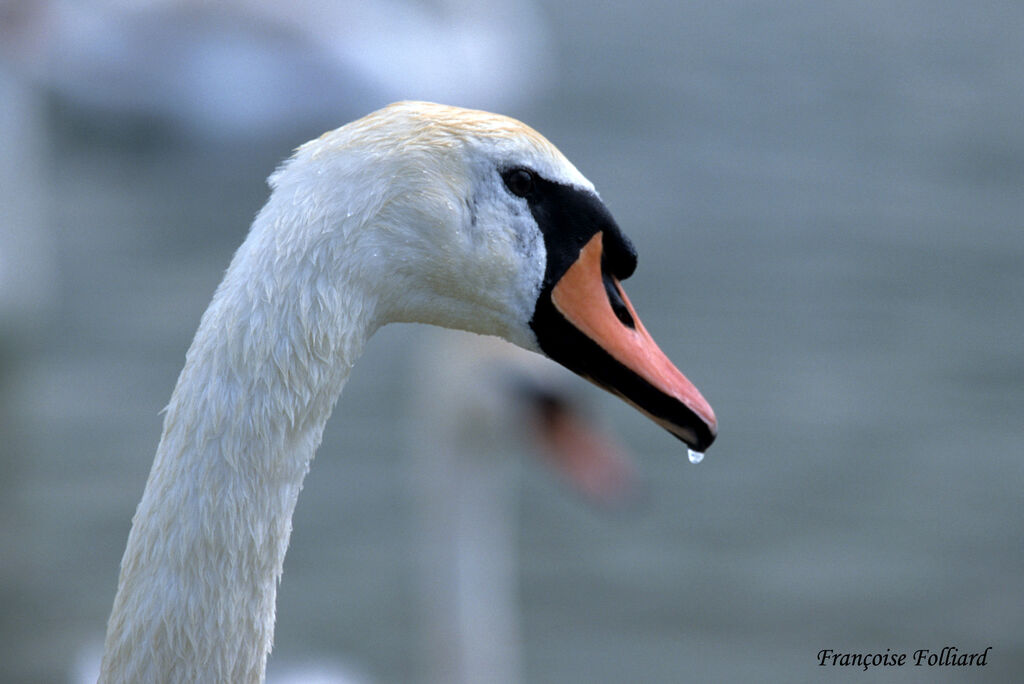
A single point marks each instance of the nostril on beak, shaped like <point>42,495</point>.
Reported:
<point>619,307</point>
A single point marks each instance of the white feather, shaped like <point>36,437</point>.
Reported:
<point>400,216</point>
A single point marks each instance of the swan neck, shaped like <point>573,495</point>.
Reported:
<point>197,590</point>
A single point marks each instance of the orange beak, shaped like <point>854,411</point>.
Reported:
<point>618,353</point>
<point>587,458</point>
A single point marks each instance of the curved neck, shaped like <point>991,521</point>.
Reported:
<point>196,594</point>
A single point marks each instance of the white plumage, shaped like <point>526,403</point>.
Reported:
<point>416,213</point>
<point>359,231</point>
<point>480,405</point>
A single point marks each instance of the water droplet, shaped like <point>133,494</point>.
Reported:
<point>695,456</point>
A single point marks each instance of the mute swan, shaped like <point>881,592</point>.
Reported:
<point>242,69</point>
<point>27,261</point>
<point>417,213</point>
<point>479,404</point>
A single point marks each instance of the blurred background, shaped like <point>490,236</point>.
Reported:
<point>828,202</point>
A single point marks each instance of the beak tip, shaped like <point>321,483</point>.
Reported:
<point>699,437</point>
<point>704,442</point>
<point>706,427</point>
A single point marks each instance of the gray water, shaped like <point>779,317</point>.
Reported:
<point>828,203</point>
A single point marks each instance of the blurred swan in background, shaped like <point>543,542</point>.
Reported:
<point>27,261</point>
<point>480,404</point>
<point>239,69</point>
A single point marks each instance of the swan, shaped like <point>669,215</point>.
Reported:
<point>417,212</point>
<point>28,270</point>
<point>238,70</point>
<point>479,403</point>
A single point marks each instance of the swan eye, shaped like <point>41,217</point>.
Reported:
<point>519,181</point>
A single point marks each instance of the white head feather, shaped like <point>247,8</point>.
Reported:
<point>400,216</point>
<point>416,189</point>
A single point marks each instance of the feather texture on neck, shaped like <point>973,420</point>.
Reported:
<point>400,216</point>
<point>205,554</point>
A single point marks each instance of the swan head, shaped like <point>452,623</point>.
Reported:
<point>474,221</point>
